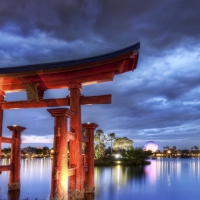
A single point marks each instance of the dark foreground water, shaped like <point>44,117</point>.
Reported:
<point>164,179</point>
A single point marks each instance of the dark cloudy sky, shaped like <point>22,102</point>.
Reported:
<point>159,101</point>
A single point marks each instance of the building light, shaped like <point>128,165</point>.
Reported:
<point>117,156</point>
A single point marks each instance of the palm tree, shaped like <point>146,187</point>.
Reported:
<point>111,137</point>
<point>196,148</point>
<point>174,149</point>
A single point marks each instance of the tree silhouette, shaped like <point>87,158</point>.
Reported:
<point>111,137</point>
<point>100,138</point>
<point>122,143</point>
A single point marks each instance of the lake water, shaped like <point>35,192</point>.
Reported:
<point>164,179</point>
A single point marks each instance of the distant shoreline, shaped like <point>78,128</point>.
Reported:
<point>121,162</point>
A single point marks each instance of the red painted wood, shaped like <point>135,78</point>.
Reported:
<point>85,168</point>
<point>56,84</point>
<point>76,182</point>
<point>71,171</point>
<point>2,95</point>
<point>59,75</point>
<point>89,156</point>
<point>0,146</point>
<point>71,136</point>
<point>110,67</point>
<point>85,139</point>
<point>103,99</point>
<point>59,181</point>
<point>15,153</point>
<point>7,140</point>
<point>6,168</point>
<point>100,63</point>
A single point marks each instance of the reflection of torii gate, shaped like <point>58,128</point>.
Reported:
<point>35,80</point>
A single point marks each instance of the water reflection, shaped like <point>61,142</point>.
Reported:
<point>109,181</point>
<point>163,169</point>
<point>119,175</point>
<point>174,177</point>
<point>89,196</point>
<point>14,195</point>
<point>35,179</point>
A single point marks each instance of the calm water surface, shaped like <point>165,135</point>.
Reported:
<point>164,179</point>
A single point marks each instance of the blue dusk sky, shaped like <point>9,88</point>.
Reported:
<point>159,101</point>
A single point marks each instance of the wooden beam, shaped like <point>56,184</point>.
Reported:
<point>35,104</point>
<point>71,171</point>
<point>85,168</point>
<point>67,75</point>
<point>58,84</point>
<point>103,99</point>
<point>71,136</point>
<point>70,66</point>
<point>6,168</point>
<point>85,80</point>
<point>7,140</point>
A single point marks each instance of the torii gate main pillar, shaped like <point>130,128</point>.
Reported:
<point>59,181</point>
<point>14,179</point>
<point>76,183</point>
<point>2,95</point>
<point>89,156</point>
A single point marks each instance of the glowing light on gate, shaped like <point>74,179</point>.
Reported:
<point>150,146</point>
<point>64,180</point>
<point>14,125</point>
<point>88,122</point>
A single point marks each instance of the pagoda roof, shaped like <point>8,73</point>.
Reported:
<point>60,74</point>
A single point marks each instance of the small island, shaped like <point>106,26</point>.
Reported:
<point>110,150</point>
<point>120,151</point>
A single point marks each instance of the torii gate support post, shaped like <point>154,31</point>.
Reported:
<point>59,181</point>
<point>14,179</point>
<point>89,156</point>
<point>2,95</point>
<point>77,181</point>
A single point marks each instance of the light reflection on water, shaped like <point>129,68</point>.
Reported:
<point>35,179</point>
<point>164,179</point>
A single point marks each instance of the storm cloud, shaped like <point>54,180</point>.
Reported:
<point>158,101</point>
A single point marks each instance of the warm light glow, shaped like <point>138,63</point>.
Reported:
<point>64,180</point>
<point>88,122</point>
<point>52,151</point>
<point>117,156</point>
<point>14,125</point>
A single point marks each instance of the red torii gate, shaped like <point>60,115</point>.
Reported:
<point>35,80</point>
